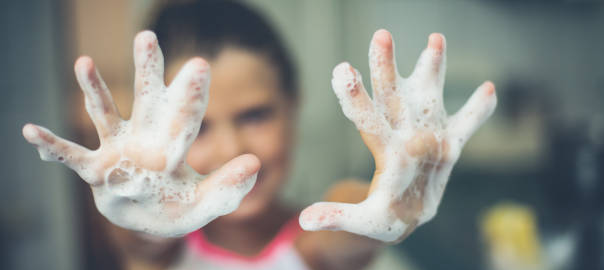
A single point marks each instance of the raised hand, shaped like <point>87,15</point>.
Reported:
<point>139,176</point>
<point>414,142</point>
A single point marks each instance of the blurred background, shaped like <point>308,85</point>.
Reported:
<point>529,187</point>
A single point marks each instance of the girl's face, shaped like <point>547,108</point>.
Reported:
<point>248,112</point>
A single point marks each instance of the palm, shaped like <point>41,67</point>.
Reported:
<point>139,176</point>
<point>414,142</point>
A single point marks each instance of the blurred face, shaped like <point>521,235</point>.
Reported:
<point>247,113</point>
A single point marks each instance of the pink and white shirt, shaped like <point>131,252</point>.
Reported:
<point>280,253</point>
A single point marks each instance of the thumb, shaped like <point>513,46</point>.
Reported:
<point>354,218</point>
<point>329,216</point>
<point>237,171</point>
<point>222,191</point>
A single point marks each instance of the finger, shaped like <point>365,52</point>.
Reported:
<point>189,92</point>
<point>328,216</point>
<point>354,100</point>
<point>382,63</point>
<point>99,103</point>
<point>239,173</point>
<point>148,60</point>
<point>431,65</point>
<point>348,217</point>
<point>222,192</point>
<point>384,76</point>
<point>54,148</point>
<point>476,110</point>
<point>149,77</point>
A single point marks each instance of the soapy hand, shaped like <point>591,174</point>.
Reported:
<point>414,142</point>
<point>139,176</point>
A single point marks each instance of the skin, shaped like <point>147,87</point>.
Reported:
<point>413,161</point>
<point>248,113</point>
<point>150,150</point>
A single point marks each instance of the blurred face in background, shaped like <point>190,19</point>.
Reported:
<point>248,112</point>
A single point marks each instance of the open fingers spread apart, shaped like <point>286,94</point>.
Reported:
<point>413,140</point>
<point>139,176</point>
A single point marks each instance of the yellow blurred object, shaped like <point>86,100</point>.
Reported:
<point>510,231</point>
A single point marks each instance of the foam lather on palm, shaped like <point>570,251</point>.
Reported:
<point>138,175</point>
<point>414,142</point>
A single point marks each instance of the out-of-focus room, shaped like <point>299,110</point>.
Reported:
<point>528,188</point>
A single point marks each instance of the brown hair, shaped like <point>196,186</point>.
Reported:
<point>206,27</point>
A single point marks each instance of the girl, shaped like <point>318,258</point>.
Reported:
<point>146,174</point>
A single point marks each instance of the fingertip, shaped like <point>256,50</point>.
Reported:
<point>83,64</point>
<point>199,64</point>
<point>308,218</point>
<point>436,41</point>
<point>30,132</point>
<point>146,35</point>
<point>145,40</point>
<point>383,38</point>
<point>381,60</point>
<point>341,69</point>
<point>304,220</point>
<point>195,69</point>
<point>492,93</point>
<point>320,216</point>
<point>251,162</point>
<point>193,75</point>
<point>346,79</point>
<point>241,169</point>
<point>489,88</point>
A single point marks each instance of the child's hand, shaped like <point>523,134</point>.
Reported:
<point>139,176</point>
<point>414,143</point>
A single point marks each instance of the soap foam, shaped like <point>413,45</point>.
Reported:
<point>158,204</point>
<point>421,143</point>
<point>173,201</point>
<point>154,192</point>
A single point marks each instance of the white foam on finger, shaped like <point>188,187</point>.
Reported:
<point>139,176</point>
<point>160,204</point>
<point>354,100</point>
<point>370,218</point>
<point>420,144</point>
<point>479,107</point>
<point>47,148</point>
<point>30,133</point>
<point>169,202</point>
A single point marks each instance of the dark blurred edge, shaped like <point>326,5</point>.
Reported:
<point>23,225</point>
